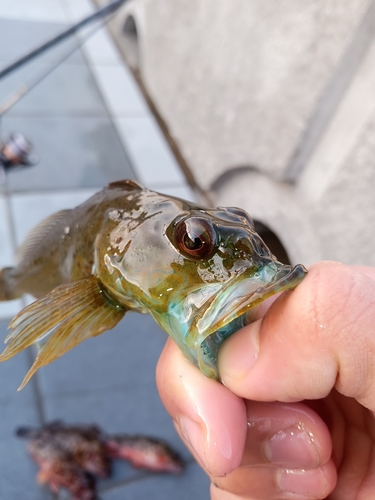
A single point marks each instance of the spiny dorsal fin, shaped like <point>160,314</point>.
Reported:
<point>127,184</point>
<point>61,320</point>
<point>41,231</point>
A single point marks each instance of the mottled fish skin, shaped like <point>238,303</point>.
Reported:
<point>144,452</point>
<point>197,271</point>
<point>60,461</point>
<point>61,248</point>
<point>73,456</point>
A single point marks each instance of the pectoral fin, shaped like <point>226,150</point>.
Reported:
<point>62,319</point>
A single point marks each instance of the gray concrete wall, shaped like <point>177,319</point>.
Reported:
<point>286,88</point>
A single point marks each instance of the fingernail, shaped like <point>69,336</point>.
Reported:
<point>293,447</point>
<point>239,353</point>
<point>308,483</point>
<point>193,434</point>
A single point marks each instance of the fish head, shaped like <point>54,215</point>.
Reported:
<point>198,271</point>
<point>236,273</point>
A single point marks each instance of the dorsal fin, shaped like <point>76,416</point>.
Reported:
<point>127,184</point>
<point>39,232</point>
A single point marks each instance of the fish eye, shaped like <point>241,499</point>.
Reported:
<point>195,237</point>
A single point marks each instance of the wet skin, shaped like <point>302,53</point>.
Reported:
<point>199,272</point>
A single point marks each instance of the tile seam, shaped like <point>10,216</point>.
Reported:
<point>131,156</point>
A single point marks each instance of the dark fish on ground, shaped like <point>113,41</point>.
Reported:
<point>200,272</point>
<point>72,457</point>
<point>68,457</point>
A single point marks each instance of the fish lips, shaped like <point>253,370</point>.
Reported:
<point>244,294</point>
<point>207,316</point>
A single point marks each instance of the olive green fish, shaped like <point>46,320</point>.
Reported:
<point>197,271</point>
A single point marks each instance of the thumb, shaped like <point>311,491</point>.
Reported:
<point>312,339</point>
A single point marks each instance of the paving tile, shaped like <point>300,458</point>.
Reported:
<point>118,359</point>
<point>134,409</point>
<point>128,410</point>
<point>149,153</point>
<point>122,472</point>
<point>7,309</point>
<point>6,250</point>
<point>110,380</point>
<point>70,88</point>
<point>78,9</point>
<point>100,49</point>
<point>123,409</point>
<point>73,152</point>
<point>11,375</point>
<point>17,38</point>
<point>193,484</point>
<point>119,90</point>
<point>35,10</point>
<point>103,381</point>
<point>16,408</point>
<point>17,472</point>
<point>112,372</point>
<point>29,209</point>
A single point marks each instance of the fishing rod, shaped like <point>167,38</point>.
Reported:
<point>17,151</point>
<point>25,88</point>
<point>108,9</point>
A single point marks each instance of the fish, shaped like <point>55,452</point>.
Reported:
<point>73,456</point>
<point>200,272</point>
<point>68,457</point>
<point>144,452</point>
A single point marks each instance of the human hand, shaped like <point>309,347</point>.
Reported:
<point>295,416</point>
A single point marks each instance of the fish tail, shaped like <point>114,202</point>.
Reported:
<point>8,282</point>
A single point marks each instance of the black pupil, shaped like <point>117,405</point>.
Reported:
<point>192,242</point>
<point>195,237</point>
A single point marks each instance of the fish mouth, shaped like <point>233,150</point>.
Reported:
<point>226,314</point>
<point>241,296</point>
<point>206,317</point>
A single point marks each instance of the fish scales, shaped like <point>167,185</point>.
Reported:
<point>200,272</point>
<point>73,456</point>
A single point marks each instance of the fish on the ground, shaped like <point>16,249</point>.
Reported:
<point>73,456</point>
<point>200,272</point>
<point>144,452</point>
